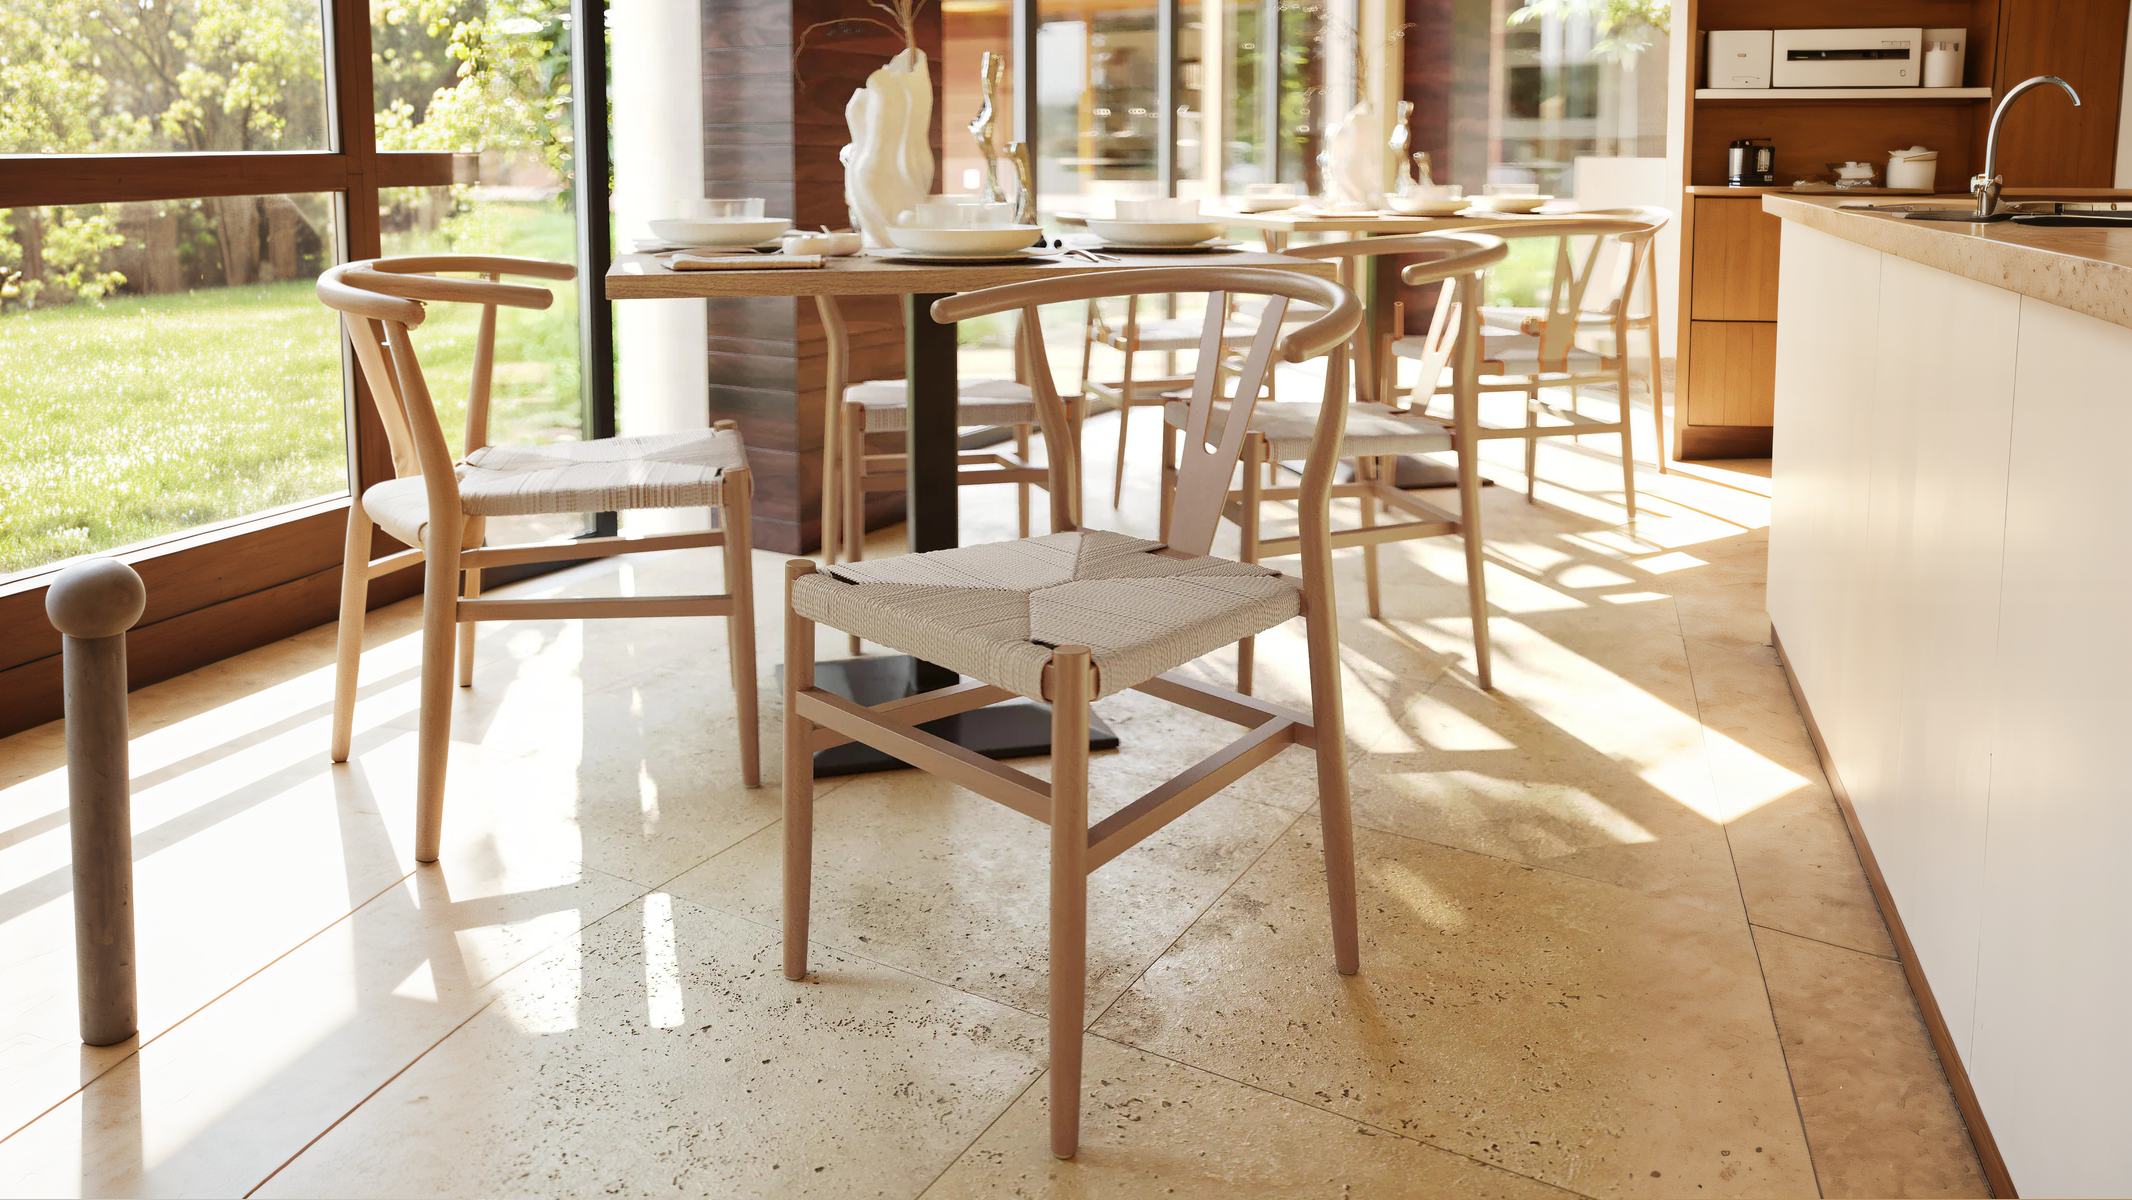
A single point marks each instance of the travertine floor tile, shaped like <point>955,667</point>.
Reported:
<point>1876,1104</point>
<point>663,1052</point>
<point>1150,1127</point>
<point>1570,1031</point>
<point>214,1105</point>
<point>915,873</point>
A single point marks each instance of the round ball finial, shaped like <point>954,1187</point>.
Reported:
<point>99,598</point>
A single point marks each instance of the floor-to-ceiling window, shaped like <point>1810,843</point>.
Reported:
<point>174,174</point>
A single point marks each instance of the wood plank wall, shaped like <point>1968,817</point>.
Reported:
<point>772,127</point>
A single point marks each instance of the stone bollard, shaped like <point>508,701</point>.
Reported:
<point>94,603</point>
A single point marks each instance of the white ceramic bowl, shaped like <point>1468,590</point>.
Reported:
<point>1507,204</point>
<point>1259,204</point>
<point>799,241</point>
<point>1005,239</point>
<point>1415,206</point>
<point>720,233</point>
<point>1155,233</point>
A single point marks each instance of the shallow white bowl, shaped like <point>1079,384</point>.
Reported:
<point>1507,204</point>
<point>1413,206</point>
<point>720,233</point>
<point>1002,239</point>
<point>1155,233</point>
<point>1259,204</point>
<point>834,244</point>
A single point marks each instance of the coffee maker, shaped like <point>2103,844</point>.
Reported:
<point>1751,162</point>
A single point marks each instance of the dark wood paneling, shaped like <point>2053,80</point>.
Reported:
<point>1430,69</point>
<point>2046,141</point>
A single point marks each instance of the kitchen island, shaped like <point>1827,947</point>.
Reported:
<point>1950,565</point>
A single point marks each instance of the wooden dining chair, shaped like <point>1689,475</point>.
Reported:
<point>440,506</point>
<point>1082,614</point>
<point>1377,434</point>
<point>854,411</point>
<point>1547,348</point>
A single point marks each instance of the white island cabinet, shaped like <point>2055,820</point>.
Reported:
<point>1950,581</point>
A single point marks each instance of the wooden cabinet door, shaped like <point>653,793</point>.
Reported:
<point>1735,264</point>
<point>1732,373</point>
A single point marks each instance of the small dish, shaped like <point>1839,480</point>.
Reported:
<point>1416,206</point>
<point>1000,240</point>
<point>835,245</point>
<point>719,233</point>
<point>1261,204</point>
<point>1506,204</point>
<point>1155,233</point>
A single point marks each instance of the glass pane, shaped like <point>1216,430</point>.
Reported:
<point>202,377</point>
<point>1096,103</point>
<point>490,77</point>
<point>142,76</point>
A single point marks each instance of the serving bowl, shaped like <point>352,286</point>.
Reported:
<point>1002,239</point>
<point>683,232</point>
<point>1155,233</point>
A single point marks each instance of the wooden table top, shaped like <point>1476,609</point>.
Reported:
<point>645,277</point>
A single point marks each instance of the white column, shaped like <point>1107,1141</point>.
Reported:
<point>662,371</point>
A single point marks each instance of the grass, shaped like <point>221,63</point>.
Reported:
<point>145,416</point>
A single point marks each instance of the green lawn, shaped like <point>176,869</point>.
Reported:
<point>144,416</point>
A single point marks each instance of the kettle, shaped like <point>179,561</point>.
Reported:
<point>1751,162</point>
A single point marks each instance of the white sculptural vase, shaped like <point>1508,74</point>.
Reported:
<point>1351,166</point>
<point>888,167</point>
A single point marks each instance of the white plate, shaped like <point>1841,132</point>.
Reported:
<point>1425,208</point>
<point>721,234</point>
<point>1507,204</point>
<point>1155,233</point>
<point>1004,239</point>
<point>1221,247</point>
<point>1261,204</point>
<point>920,256</point>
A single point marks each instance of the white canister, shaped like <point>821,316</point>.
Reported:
<point>1943,64</point>
<point>1913,168</point>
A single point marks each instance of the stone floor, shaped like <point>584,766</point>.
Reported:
<point>1615,937</point>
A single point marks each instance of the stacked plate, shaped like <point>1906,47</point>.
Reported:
<point>720,233</point>
<point>992,243</point>
<point>1171,236</point>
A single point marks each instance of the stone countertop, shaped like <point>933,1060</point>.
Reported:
<point>2085,270</point>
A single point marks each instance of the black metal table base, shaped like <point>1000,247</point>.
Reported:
<point>1009,729</point>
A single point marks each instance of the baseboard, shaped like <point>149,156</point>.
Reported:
<point>1965,1096</point>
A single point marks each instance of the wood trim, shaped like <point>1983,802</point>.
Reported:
<point>426,168</point>
<point>32,179</point>
<point>1965,1096</point>
<point>1721,441</point>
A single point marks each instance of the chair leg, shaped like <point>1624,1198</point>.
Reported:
<point>1021,490</point>
<point>1469,531</point>
<point>433,741</point>
<point>799,777</point>
<point>736,518</point>
<point>1125,414</point>
<point>1321,629</point>
<point>348,646</point>
<point>1069,891</point>
<point>1254,459</point>
<point>1369,471</point>
<point>854,491</point>
<point>470,588</point>
<point>1628,442</point>
<point>1532,446</point>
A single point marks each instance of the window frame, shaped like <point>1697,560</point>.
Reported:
<point>222,589</point>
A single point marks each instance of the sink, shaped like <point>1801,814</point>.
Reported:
<point>2075,221</point>
<point>1954,214</point>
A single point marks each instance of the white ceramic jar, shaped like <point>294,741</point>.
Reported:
<point>1916,167</point>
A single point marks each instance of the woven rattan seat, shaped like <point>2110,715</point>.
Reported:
<point>994,612</point>
<point>977,402</point>
<point>1371,428</point>
<point>667,470</point>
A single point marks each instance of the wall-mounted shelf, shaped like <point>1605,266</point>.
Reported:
<point>1872,93</point>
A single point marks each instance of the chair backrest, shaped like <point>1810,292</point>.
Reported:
<point>380,300</point>
<point>1641,263</point>
<point>1450,315</point>
<point>1212,446</point>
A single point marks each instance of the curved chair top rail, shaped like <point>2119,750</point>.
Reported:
<point>1569,225</point>
<point>1452,254</point>
<point>391,289</point>
<point>1657,216</point>
<point>1343,312</point>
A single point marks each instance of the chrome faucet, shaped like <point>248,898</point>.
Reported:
<point>1986,186</point>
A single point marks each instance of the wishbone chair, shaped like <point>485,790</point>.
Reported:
<point>1082,614</point>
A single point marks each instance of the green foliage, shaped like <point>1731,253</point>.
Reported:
<point>1624,26</point>
<point>510,89</point>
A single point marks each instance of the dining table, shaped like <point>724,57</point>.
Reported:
<point>1010,729</point>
